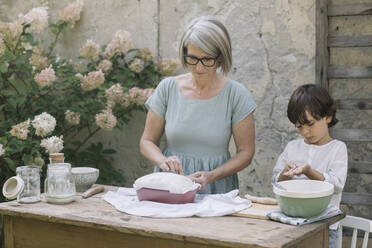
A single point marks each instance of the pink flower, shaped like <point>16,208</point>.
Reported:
<point>126,100</point>
<point>90,50</point>
<point>78,66</point>
<point>21,130</point>
<point>2,151</point>
<point>46,77</point>
<point>94,80</point>
<point>146,93</point>
<point>137,65</point>
<point>71,14</point>
<point>139,96</point>
<point>2,46</point>
<point>37,18</point>
<point>11,31</point>
<point>168,66</point>
<point>72,117</point>
<point>39,61</point>
<point>105,65</point>
<point>114,93</point>
<point>121,42</point>
<point>146,54</point>
<point>106,120</point>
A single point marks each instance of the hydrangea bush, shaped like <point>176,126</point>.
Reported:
<point>50,104</point>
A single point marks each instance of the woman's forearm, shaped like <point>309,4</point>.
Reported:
<point>235,164</point>
<point>152,152</point>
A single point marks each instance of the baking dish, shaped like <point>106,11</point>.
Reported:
<point>166,187</point>
<point>164,196</point>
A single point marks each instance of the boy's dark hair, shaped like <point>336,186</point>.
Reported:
<point>314,99</point>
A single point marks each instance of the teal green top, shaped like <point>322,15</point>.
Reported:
<point>198,131</point>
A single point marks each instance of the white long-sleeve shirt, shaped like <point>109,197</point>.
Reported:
<point>329,159</point>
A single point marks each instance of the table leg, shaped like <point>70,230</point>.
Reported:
<point>8,232</point>
<point>320,239</point>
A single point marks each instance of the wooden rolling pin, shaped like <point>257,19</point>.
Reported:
<point>262,200</point>
<point>92,191</point>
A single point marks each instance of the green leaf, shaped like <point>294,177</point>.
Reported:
<point>11,164</point>
<point>3,68</point>
<point>54,28</point>
<point>26,159</point>
<point>76,143</point>
<point>109,151</point>
<point>29,38</point>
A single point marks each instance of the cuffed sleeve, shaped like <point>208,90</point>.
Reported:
<point>337,172</point>
<point>280,164</point>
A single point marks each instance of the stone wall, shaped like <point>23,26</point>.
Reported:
<point>273,53</point>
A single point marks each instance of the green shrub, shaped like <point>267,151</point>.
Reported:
<point>50,104</point>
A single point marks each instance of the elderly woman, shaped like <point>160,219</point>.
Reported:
<point>199,111</point>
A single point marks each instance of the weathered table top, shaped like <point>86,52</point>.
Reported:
<point>229,231</point>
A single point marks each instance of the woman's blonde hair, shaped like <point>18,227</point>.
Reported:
<point>211,36</point>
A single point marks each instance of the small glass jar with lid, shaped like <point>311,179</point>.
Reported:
<point>30,176</point>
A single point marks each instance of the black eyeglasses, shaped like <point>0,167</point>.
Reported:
<point>206,61</point>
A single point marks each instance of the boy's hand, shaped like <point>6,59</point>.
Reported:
<point>288,169</point>
<point>296,170</point>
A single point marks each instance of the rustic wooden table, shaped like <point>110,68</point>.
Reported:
<point>93,223</point>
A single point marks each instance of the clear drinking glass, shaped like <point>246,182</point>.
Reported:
<point>31,177</point>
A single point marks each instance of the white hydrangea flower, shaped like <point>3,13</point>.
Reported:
<point>71,14</point>
<point>46,77</point>
<point>44,124</point>
<point>2,46</point>
<point>137,65</point>
<point>2,151</point>
<point>72,117</point>
<point>90,50</point>
<point>106,120</point>
<point>52,144</point>
<point>94,80</point>
<point>105,65</point>
<point>121,42</point>
<point>37,18</point>
<point>21,130</point>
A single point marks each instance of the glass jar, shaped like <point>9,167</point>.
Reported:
<point>31,178</point>
<point>59,185</point>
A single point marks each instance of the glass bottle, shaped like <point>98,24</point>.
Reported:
<point>60,184</point>
<point>56,159</point>
<point>31,177</point>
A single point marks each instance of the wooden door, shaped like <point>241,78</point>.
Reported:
<point>344,67</point>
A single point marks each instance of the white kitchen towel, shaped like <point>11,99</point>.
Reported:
<point>278,215</point>
<point>205,205</point>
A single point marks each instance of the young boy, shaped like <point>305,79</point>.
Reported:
<point>316,155</point>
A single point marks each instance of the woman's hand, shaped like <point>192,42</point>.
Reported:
<point>202,177</point>
<point>172,163</point>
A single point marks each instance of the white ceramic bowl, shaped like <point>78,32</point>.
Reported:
<point>304,198</point>
<point>84,177</point>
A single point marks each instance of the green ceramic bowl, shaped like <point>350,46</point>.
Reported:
<point>304,198</point>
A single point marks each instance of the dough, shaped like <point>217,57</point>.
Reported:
<point>173,182</point>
